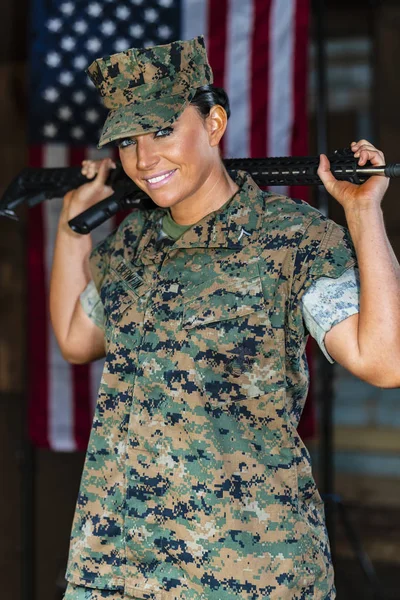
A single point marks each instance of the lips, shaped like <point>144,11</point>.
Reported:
<point>159,179</point>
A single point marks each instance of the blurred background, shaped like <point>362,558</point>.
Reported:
<point>49,116</point>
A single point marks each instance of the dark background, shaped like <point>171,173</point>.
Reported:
<point>373,108</point>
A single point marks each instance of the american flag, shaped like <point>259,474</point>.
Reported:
<point>258,52</point>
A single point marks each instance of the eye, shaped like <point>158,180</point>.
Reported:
<point>125,142</point>
<point>164,132</point>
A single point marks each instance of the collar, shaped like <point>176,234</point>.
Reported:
<point>233,226</point>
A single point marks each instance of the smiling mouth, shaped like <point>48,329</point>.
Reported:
<point>154,182</point>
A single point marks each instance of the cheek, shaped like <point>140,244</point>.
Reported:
<point>128,162</point>
<point>191,151</point>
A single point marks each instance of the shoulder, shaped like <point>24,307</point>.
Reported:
<point>127,233</point>
<point>290,220</point>
<point>132,227</point>
<point>290,211</point>
<point>304,242</point>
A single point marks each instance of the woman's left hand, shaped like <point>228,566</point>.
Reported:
<point>351,196</point>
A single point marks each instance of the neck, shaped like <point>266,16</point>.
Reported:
<point>214,193</point>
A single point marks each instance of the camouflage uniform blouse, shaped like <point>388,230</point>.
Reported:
<point>196,484</point>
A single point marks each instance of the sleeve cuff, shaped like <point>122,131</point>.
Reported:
<point>328,302</point>
<point>92,305</point>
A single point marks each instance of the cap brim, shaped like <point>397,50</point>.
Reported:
<point>146,117</point>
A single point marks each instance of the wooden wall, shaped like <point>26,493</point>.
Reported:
<point>12,294</point>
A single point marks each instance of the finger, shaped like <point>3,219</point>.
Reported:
<point>89,168</point>
<point>324,171</point>
<point>362,143</point>
<point>375,157</point>
<point>367,152</point>
<point>103,171</point>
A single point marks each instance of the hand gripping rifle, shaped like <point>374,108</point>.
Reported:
<point>34,185</point>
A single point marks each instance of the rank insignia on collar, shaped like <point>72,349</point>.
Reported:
<point>243,232</point>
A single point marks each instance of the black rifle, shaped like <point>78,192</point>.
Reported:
<point>33,185</point>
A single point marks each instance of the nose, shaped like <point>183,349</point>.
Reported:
<point>146,155</point>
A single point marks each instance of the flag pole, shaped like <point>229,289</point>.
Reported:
<point>334,504</point>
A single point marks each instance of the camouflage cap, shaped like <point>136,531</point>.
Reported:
<point>147,89</point>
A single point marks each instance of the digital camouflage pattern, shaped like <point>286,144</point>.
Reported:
<point>328,305</point>
<point>196,483</point>
<point>78,592</point>
<point>148,88</point>
<point>325,304</point>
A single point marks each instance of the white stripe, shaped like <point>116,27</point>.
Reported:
<point>96,368</point>
<point>61,430</point>
<point>194,15</point>
<point>238,54</point>
<point>281,107</point>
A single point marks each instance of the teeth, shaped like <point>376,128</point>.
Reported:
<point>157,179</point>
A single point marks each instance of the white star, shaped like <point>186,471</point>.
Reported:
<point>54,25</point>
<point>79,97</point>
<point>94,9</point>
<point>165,3</point>
<point>107,27</point>
<point>121,45</point>
<point>66,78</point>
<point>53,59</point>
<point>77,132</point>
<point>123,12</point>
<point>80,26</point>
<point>50,130</point>
<point>92,115</point>
<point>136,30</point>
<point>68,43</point>
<point>164,31</point>
<point>148,44</point>
<point>151,15</point>
<point>50,94</point>
<point>65,113</point>
<point>67,8</point>
<point>93,45</point>
<point>80,62</point>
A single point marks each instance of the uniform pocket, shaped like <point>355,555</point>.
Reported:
<point>230,337</point>
<point>228,302</point>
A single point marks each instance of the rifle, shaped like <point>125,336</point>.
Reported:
<point>34,185</point>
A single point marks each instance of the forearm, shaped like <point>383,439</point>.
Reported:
<point>379,319</point>
<point>69,277</point>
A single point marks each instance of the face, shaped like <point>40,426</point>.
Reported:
<point>174,164</point>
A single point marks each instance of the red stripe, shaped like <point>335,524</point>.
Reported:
<point>217,41</point>
<point>38,321</point>
<point>260,56</point>
<point>307,426</point>
<point>300,78</point>
<point>81,382</point>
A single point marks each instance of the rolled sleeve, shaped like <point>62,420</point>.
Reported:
<point>328,302</point>
<point>92,305</point>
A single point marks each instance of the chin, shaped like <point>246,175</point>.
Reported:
<point>165,200</point>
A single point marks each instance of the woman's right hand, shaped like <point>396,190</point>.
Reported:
<point>78,200</point>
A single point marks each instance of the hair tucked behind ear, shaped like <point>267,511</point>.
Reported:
<point>208,96</point>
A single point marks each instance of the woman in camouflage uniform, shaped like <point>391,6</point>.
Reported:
<point>196,484</point>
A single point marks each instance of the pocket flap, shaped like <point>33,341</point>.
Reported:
<point>237,299</point>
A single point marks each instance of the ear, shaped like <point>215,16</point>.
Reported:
<point>216,123</point>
